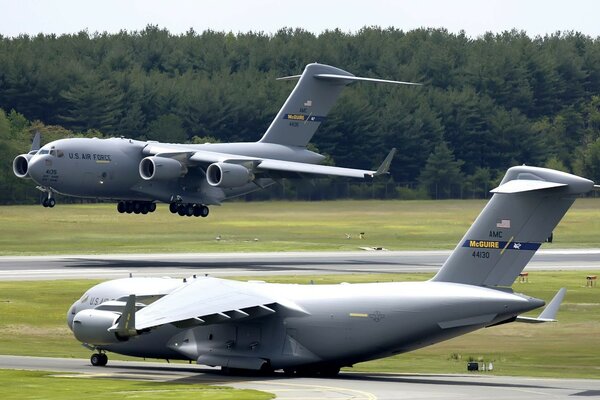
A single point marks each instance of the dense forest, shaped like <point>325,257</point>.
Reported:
<point>486,103</point>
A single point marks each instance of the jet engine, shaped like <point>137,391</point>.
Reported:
<point>21,165</point>
<point>227,175</point>
<point>91,326</point>
<point>161,168</point>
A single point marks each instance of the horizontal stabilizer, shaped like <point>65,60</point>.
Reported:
<point>519,186</point>
<point>334,77</point>
<point>549,312</point>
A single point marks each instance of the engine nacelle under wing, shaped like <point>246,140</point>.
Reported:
<point>21,165</point>
<point>227,175</point>
<point>161,168</point>
<point>91,326</point>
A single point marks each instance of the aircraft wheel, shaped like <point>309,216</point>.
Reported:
<point>51,202</point>
<point>151,207</point>
<point>96,359</point>
<point>189,210</point>
<point>144,208</point>
<point>289,371</point>
<point>204,211</point>
<point>181,210</point>
<point>104,359</point>
<point>197,210</point>
<point>121,207</point>
<point>137,207</point>
<point>45,203</point>
<point>173,207</point>
<point>129,207</point>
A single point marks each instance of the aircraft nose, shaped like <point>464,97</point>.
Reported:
<point>36,168</point>
<point>70,315</point>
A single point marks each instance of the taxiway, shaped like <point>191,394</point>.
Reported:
<point>245,264</point>
<point>349,385</point>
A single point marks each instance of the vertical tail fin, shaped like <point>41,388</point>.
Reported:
<point>309,103</point>
<point>520,216</point>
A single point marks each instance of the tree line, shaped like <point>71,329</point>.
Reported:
<point>486,103</point>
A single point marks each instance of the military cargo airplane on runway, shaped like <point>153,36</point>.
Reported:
<point>191,177</point>
<point>320,328</point>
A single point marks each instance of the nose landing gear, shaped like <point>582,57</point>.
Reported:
<point>48,201</point>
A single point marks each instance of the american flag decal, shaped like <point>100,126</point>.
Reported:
<point>503,223</point>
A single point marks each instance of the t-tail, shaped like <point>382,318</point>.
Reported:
<point>520,216</point>
<point>307,106</point>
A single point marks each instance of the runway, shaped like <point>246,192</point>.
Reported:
<point>250,264</point>
<point>349,385</point>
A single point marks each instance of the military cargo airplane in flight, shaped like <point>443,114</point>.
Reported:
<point>191,177</point>
<point>318,329</point>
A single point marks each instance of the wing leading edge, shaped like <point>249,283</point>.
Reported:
<point>210,300</point>
<point>266,164</point>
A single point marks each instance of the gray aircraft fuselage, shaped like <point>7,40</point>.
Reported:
<point>344,324</point>
<point>109,169</point>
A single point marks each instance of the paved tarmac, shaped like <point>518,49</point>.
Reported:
<point>290,263</point>
<point>349,385</point>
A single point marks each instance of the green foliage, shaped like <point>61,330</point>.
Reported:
<point>18,384</point>
<point>441,175</point>
<point>167,129</point>
<point>588,164</point>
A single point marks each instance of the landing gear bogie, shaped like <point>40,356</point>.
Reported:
<point>189,209</point>
<point>136,207</point>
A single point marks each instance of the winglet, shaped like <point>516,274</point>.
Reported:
<point>35,143</point>
<point>552,308</point>
<point>549,312</point>
<point>385,165</point>
<point>126,325</point>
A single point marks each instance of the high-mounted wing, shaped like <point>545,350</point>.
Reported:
<point>210,300</point>
<point>191,157</point>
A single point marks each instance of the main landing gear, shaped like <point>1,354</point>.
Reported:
<point>136,207</point>
<point>99,359</point>
<point>189,209</point>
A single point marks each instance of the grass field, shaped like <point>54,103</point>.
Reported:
<point>264,226</point>
<point>34,313</point>
<point>51,385</point>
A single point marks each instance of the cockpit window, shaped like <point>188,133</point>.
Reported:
<point>53,151</point>
<point>60,153</point>
<point>43,151</point>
